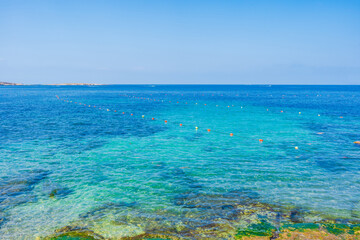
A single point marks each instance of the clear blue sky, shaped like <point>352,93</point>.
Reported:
<point>235,42</point>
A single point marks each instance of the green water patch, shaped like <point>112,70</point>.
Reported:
<point>263,228</point>
<point>300,226</point>
<point>338,229</point>
<point>332,228</point>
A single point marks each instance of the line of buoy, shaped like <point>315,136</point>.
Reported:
<point>177,102</point>
<point>180,124</point>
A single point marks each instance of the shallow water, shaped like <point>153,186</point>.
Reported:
<point>62,163</point>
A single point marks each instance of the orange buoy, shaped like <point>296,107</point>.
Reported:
<point>205,104</point>
<point>208,130</point>
<point>341,117</point>
<point>114,110</point>
<point>165,121</point>
<point>180,124</point>
<point>296,148</point>
<point>282,111</point>
<point>260,140</point>
<point>132,114</point>
<point>123,112</point>
<point>357,142</point>
<point>231,134</point>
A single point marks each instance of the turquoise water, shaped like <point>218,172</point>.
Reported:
<point>120,175</point>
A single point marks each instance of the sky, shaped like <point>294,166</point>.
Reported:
<point>180,42</point>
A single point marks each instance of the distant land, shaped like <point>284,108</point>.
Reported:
<point>59,84</point>
<point>9,84</point>
<point>74,84</point>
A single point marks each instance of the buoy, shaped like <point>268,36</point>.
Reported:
<point>142,116</point>
<point>152,118</point>
<point>341,117</point>
<point>208,130</point>
<point>132,114</point>
<point>114,110</point>
<point>205,104</point>
<point>299,112</point>
<point>357,142</point>
<point>123,112</point>
<point>231,134</point>
<point>180,124</point>
<point>196,128</point>
<point>107,110</point>
<point>282,111</point>
<point>296,148</point>
<point>260,140</point>
<point>318,115</point>
<point>165,121</point>
<point>320,133</point>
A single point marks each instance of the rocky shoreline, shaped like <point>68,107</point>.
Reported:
<point>233,215</point>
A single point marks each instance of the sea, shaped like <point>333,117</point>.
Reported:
<point>176,161</point>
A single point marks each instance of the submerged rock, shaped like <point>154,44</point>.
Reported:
<point>295,216</point>
<point>16,190</point>
<point>56,191</point>
<point>103,210</point>
<point>237,214</point>
<point>60,192</point>
<point>74,232</point>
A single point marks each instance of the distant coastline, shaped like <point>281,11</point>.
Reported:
<point>74,84</point>
<point>9,84</point>
<point>58,84</point>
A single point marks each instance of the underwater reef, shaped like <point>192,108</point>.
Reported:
<point>237,214</point>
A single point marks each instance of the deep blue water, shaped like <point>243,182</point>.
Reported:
<point>65,163</point>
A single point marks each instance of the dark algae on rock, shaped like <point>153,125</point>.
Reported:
<point>74,233</point>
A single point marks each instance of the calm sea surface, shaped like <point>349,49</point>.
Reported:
<point>63,163</point>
